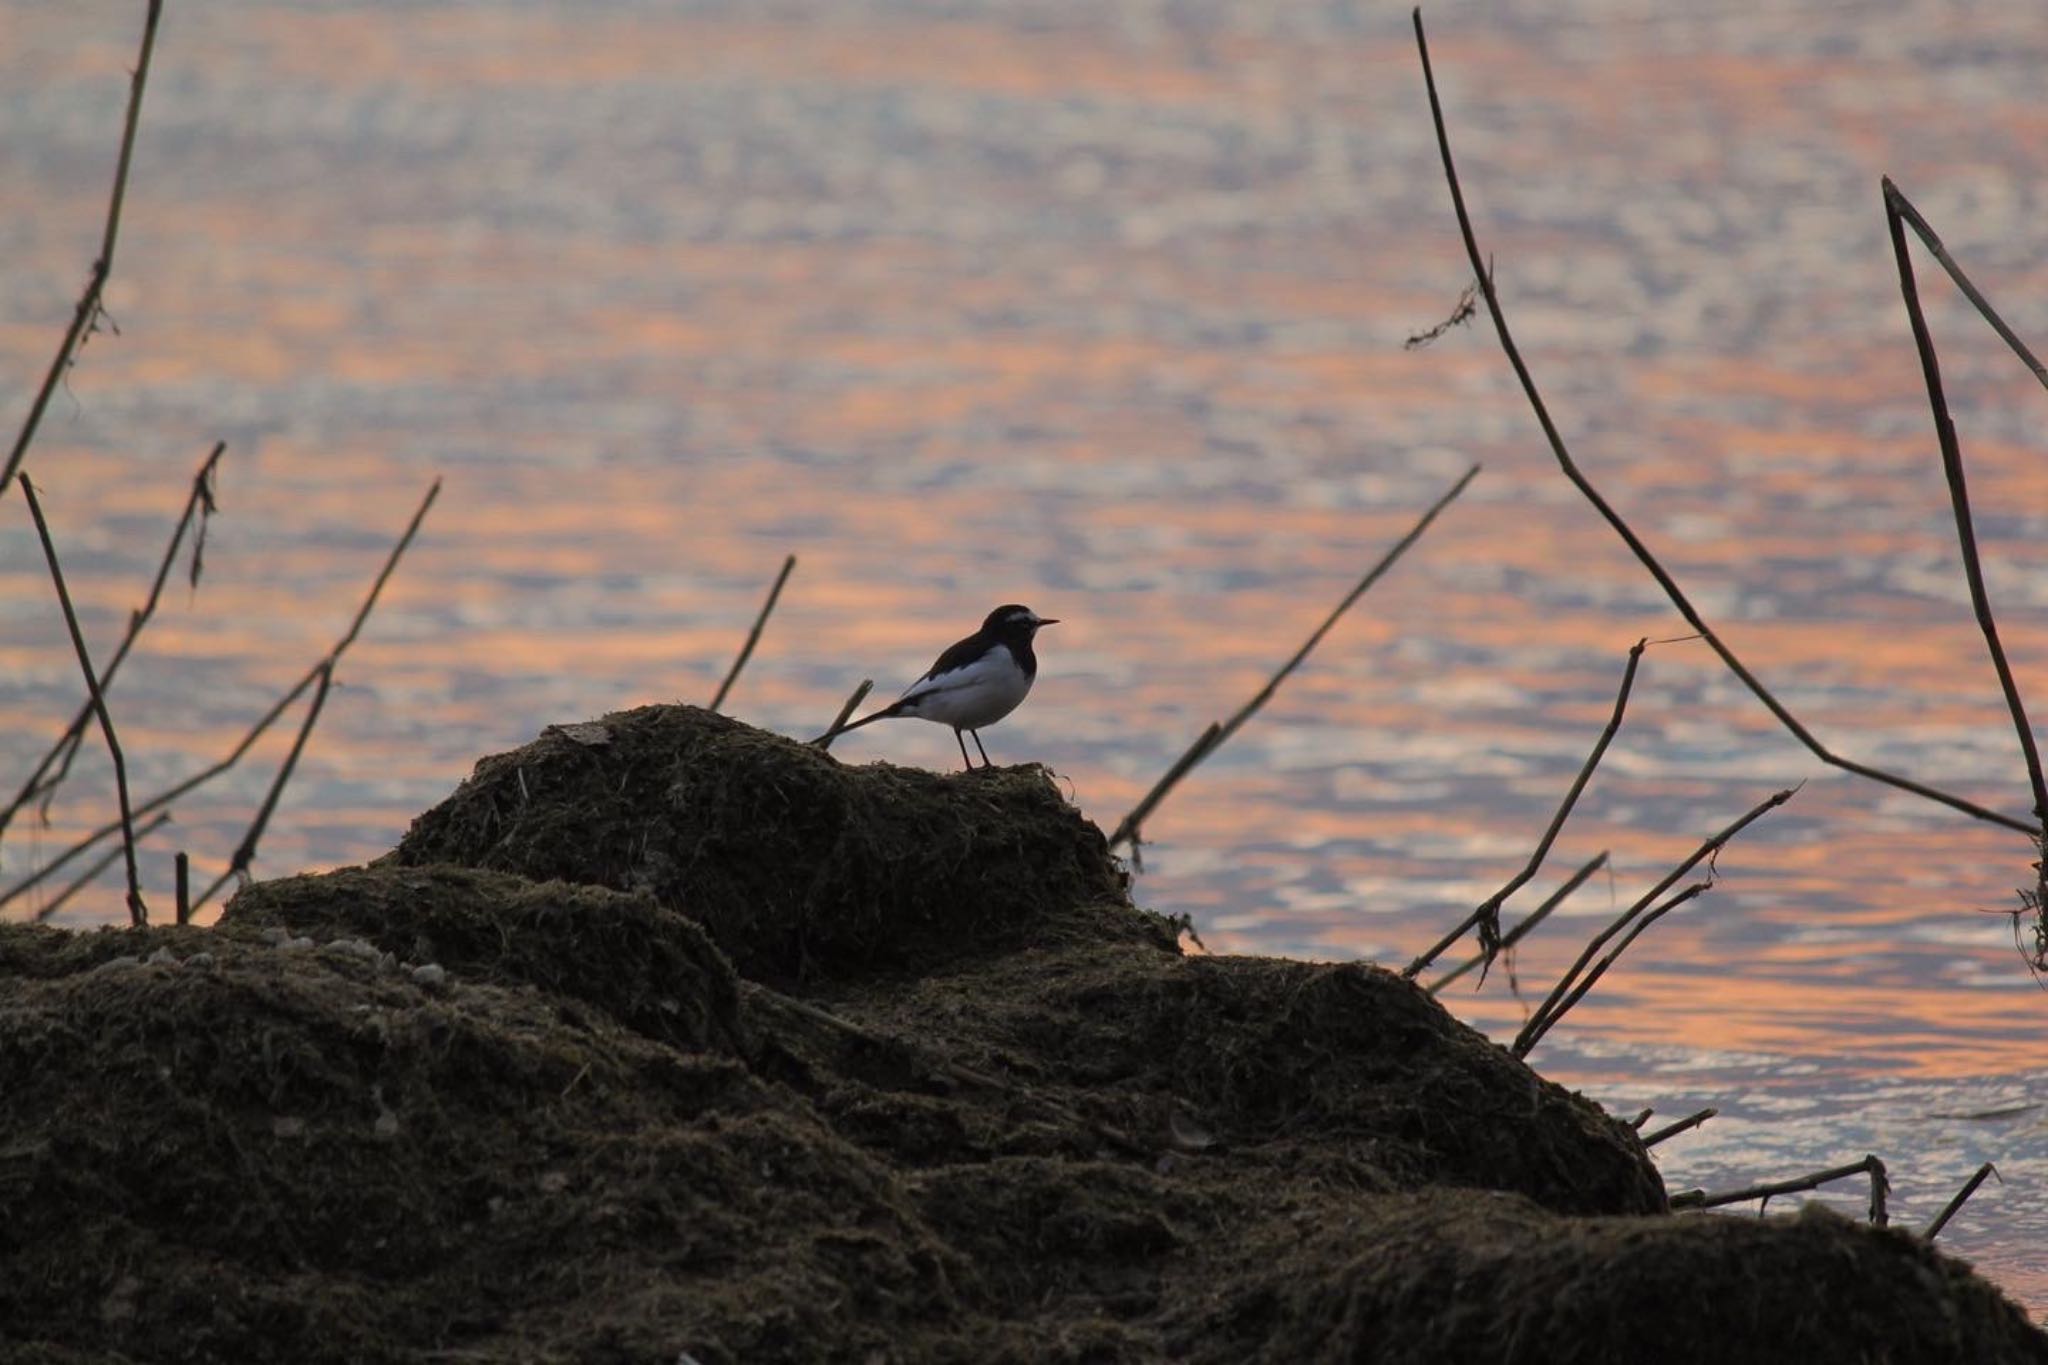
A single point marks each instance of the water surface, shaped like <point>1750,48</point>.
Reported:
<point>1102,308</point>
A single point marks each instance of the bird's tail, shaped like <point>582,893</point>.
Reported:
<point>894,708</point>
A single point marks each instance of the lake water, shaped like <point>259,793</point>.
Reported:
<point>1102,308</point>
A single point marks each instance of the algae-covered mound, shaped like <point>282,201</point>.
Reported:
<point>831,1075</point>
<point>795,863</point>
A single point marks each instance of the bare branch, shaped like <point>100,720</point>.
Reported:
<point>754,635</point>
<point>88,308</point>
<point>1959,497</point>
<point>1622,528</point>
<point>860,693</point>
<point>1487,916</point>
<point>255,731</point>
<point>1556,1002</point>
<point>1880,1186</point>
<point>1127,830</point>
<point>1897,203</point>
<point>245,852</point>
<point>43,782</point>
<point>1672,1130</point>
<point>138,912</point>
<point>1528,922</point>
<point>99,865</point>
<point>1962,1196</point>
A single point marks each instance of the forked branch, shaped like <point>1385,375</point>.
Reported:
<point>1487,916</point>
<point>1621,528</point>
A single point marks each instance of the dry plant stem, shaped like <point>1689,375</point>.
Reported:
<point>245,852</point>
<point>1880,1185</point>
<point>1539,1022</point>
<point>184,883</point>
<point>860,693</point>
<point>99,865</point>
<point>1529,921</point>
<point>1628,536</point>
<point>754,635</point>
<point>88,308</point>
<point>1898,205</point>
<point>1672,1130</point>
<point>138,912</point>
<point>42,783</point>
<point>1962,1196</point>
<point>263,722</point>
<point>1959,497</point>
<point>1487,916</point>
<point>1532,1033</point>
<point>1127,830</point>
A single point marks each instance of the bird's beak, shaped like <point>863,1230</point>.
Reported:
<point>1048,620</point>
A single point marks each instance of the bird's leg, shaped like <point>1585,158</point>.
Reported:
<point>984,753</point>
<point>963,748</point>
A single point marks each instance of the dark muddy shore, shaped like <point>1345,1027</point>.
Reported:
<point>666,1039</point>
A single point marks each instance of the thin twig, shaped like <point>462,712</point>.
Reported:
<point>1532,1033</point>
<point>263,722</point>
<point>1459,316</point>
<point>138,912</point>
<point>1552,1006</point>
<point>100,865</point>
<point>1487,915</point>
<point>1896,202</point>
<point>754,635</point>
<point>1672,1130</point>
<point>245,852</point>
<point>1127,830</point>
<point>1529,921</point>
<point>1959,497</point>
<point>1880,1185</point>
<point>1628,536</point>
<point>860,693</point>
<point>1962,1195</point>
<point>88,310</point>
<point>42,783</point>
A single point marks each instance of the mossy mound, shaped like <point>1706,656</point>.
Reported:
<point>798,866</point>
<point>1441,1277</point>
<point>424,1113</point>
<point>1264,1052</point>
<point>650,968</point>
<point>244,1151</point>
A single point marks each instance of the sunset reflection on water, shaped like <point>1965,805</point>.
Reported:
<point>1102,309</point>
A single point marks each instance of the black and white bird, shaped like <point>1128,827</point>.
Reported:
<point>976,682</point>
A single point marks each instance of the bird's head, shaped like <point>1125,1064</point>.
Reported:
<point>1015,619</point>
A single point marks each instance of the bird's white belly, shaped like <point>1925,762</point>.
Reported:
<point>969,698</point>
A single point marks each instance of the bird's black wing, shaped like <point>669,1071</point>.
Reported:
<point>957,656</point>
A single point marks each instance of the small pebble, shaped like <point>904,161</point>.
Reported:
<point>430,974</point>
<point>352,947</point>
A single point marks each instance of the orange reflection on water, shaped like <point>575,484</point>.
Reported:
<point>1106,318</point>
